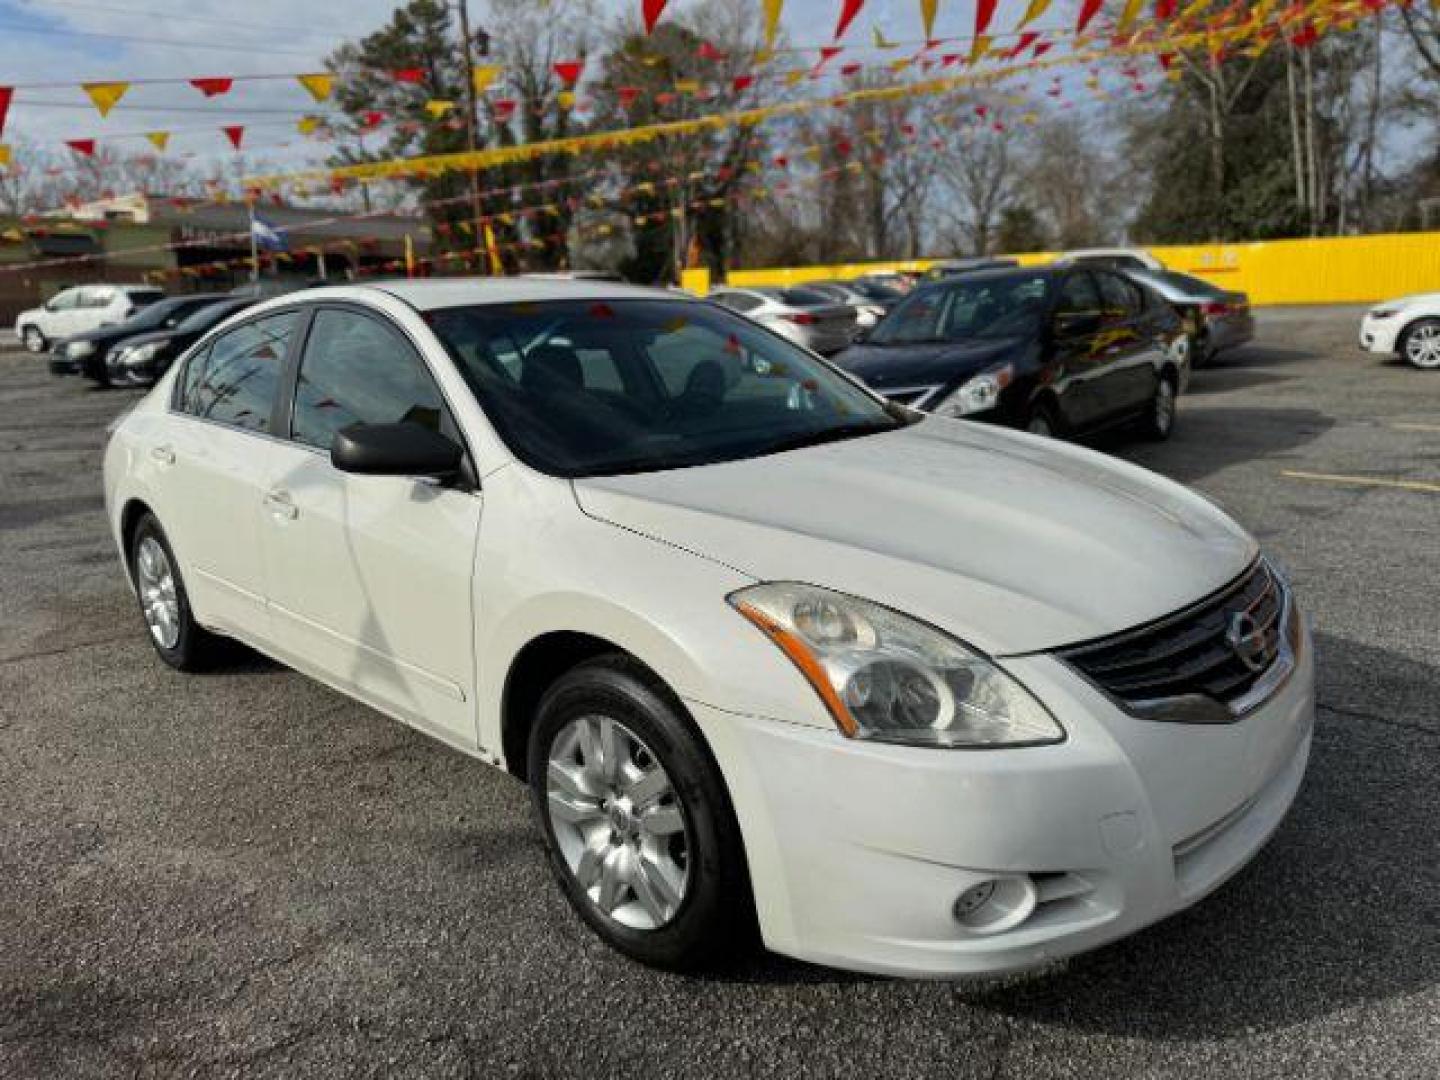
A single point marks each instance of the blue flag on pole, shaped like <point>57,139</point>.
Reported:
<point>267,236</point>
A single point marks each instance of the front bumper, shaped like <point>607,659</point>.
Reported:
<point>859,851</point>
<point>1380,335</point>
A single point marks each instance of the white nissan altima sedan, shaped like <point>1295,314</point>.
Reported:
<point>907,694</point>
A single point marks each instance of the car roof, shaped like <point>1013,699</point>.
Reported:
<point>432,294</point>
<point>991,273</point>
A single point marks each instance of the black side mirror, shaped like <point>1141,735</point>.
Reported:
<point>395,450</point>
<point>1070,324</point>
<point>860,333</point>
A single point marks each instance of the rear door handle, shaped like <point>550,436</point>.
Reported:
<point>281,505</point>
<point>163,454</point>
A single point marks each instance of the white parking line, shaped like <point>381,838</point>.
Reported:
<point>1416,427</point>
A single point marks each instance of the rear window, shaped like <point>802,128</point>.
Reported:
<point>144,297</point>
<point>802,297</point>
<point>1191,284</point>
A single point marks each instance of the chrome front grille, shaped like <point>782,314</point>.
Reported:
<point>1209,663</point>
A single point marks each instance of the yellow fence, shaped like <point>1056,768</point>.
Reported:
<point>1334,270</point>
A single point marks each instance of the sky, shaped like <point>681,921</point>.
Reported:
<point>66,42</point>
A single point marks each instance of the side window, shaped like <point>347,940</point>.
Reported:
<point>1078,295</point>
<point>1119,296</point>
<point>356,369</point>
<point>236,384</point>
<point>66,300</point>
<point>189,382</point>
<point>96,298</point>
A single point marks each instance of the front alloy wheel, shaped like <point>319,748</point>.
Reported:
<point>620,829</point>
<point>637,821</point>
<point>1422,345</point>
<point>1159,419</point>
<point>33,339</point>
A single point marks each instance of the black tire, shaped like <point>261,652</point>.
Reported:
<point>1158,422</point>
<point>716,911</point>
<point>33,340</point>
<point>1043,420</point>
<point>1416,354</point>
<point>194,648</point>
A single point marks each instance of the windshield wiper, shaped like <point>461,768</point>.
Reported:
<point>835,434</point>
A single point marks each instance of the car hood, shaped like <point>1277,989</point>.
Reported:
<point>884,366</point>
<point>153,337</point>
<point>1011,542</point>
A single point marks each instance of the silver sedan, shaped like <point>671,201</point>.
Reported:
<point>804,316</point>
<point>1214,318</point>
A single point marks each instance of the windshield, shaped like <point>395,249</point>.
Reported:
<point>585,387</point>
<point>200,321</point>
<point>986,307</point>
<point>153,314</point>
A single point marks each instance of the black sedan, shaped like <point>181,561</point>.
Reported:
<point>84,354</point>
<point>144,358</point>
<point>1053,350</point>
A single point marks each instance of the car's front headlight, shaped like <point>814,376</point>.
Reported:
<point>78,350</point>
<point>891,678</point>
<point>977,394</point>
<point>138,354</point>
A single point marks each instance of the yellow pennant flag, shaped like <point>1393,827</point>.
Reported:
<point>4,155</point>
<point>438,108</point>
<point>880,42</point>
<point>927,16</point>
<point>566,99</point>
<point>900,65</point>
<point>492,249</point>
<point>1128,14</point>
<point>982,46</point>
<point>319,86</point>
<point>306,125</point>
<point>481,77</point>
<point>105,95</point>
<point>1193,9</point>
<point>772,20</point>
<point>793,77</point>
<point>158,139</point>
<point>1033,12</point>
<point>687,86</point>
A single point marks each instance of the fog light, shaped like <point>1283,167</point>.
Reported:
<point>995,904</point>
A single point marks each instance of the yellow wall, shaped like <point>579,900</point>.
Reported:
<point>1333,270</point>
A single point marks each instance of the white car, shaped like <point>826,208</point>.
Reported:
<point>909,695</point>
<point>1408,327</point>
<point>80,309</point>
<point>798,313</point>
<point>1114,258</point>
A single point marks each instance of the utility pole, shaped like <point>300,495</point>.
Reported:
<point>472,111</point>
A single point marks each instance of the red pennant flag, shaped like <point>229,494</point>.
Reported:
<point>372,119</point>
<point>1027,38</point>
<point>82,146</point>
<point>742,82</point>
<point>1042,48</point>
<point>984,12</point>
<point>6,93</point>
<point>409,75</point>
<point>1165,8</point>
<point>569,71</point>
<point>827,53</point>
<point>1166,59</point>
<point>981,111</point>
<point>504,109</point>
<point>1305,38</point>
<point>650,10</point>
<point>212,87</point>
<point>627,95</point>
<point>848,10</point>
<point>706,51</point>
<point>1088,10</point>
<point>850,69</point>
<point>235,134</point>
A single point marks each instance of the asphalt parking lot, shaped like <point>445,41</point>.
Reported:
<point>245,874</point>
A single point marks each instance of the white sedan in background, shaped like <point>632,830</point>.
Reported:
<point>906,694</point>
<point>1408,327</point>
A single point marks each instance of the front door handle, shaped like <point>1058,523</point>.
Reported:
<point>281,505</point>
<point>163,454</point>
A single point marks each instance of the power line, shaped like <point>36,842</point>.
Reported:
<point>175,16</point>
<point>55,31</point>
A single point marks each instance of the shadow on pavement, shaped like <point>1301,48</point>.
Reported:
<point>1211,439</point>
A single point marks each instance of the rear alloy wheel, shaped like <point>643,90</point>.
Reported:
<point>1421,346</point>
<point>181,642</point>
<point>33,339</point>
<point>1159,419</point>
<point>637,822</point>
